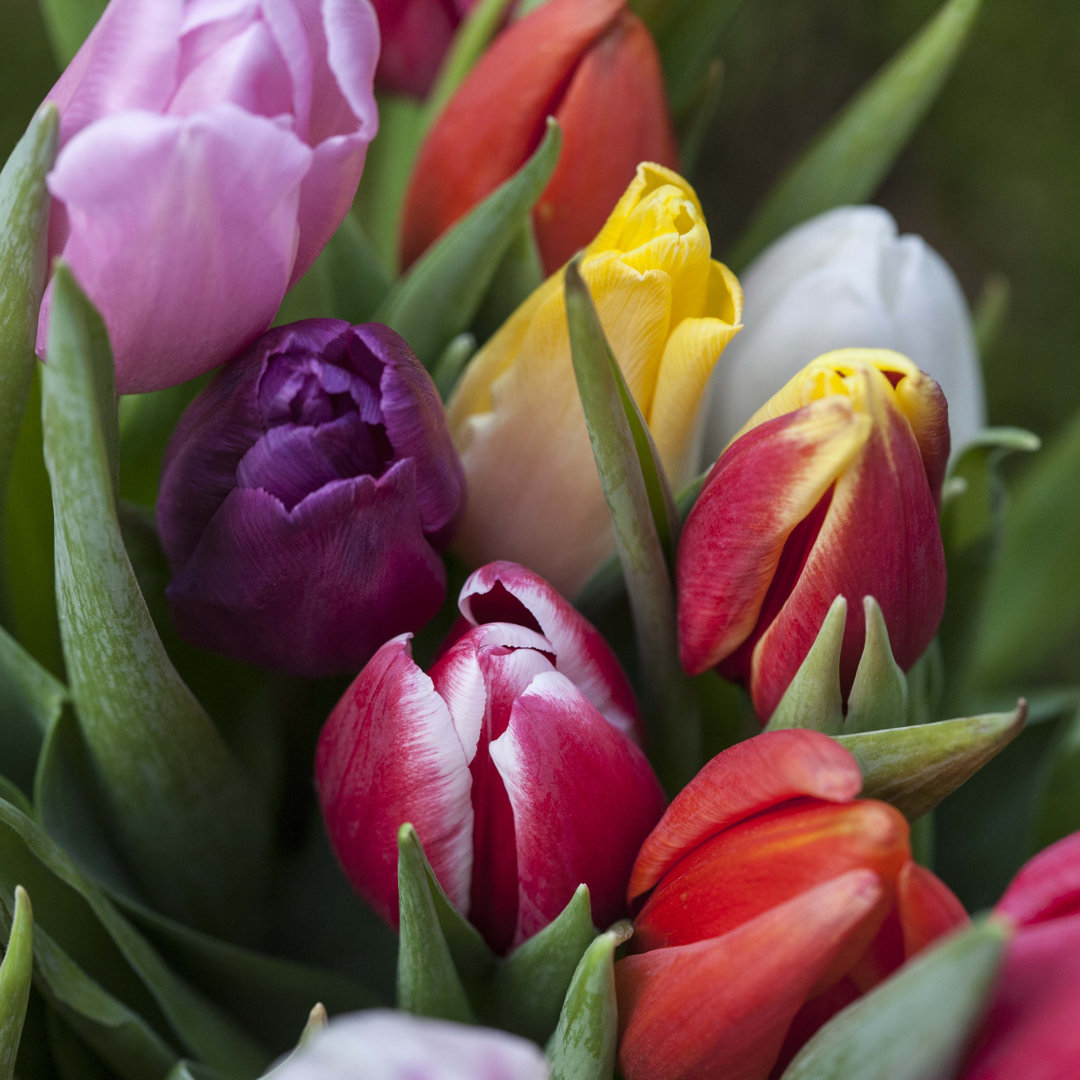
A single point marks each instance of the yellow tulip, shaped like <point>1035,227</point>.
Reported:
<point>668,310</point>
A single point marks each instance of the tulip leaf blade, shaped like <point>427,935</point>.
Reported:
<point>16,972</point>
<point>187,820</point>
<point>1059,812</point>
<point>814,699</point>
<point>915,1025</point>
<point>24,217</point>
<point>528,989</point>
<point>853,154</point>
<point>637,508</point>
<point>879,694</point>
<point>583,1046</point>
<point>438,297</point>
<point>69,23</point>
<point>914,768</point>
<point>446,371</point>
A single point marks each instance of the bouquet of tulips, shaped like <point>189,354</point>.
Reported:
<point>453,625</point>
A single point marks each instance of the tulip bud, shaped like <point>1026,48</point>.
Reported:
<point>415,35</point>
<point>769,899</point>
<point>510,759</point>
<point>668,311</point>
<point>845,278</point>
<point>304,499</point>
<point>593,66</point>
<point>829,490</point>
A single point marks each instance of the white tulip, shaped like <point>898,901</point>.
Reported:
<point>845,278</point>
<point>384,1045</point>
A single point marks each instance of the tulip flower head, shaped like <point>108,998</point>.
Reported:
<point>208,151</point>
<point>305,496</point>
<point>593,66</point>
<point>830,489</point>
<point>511,758</point>
<point>415,35</point>
<point>668,311</point>
<point>769,899</point>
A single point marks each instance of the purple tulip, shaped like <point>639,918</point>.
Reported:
<point>305,496</point>
<point>208,151</point>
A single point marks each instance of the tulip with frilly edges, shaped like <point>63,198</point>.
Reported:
<point>846,278</point>
<point>513,758</point>
<point>305,496</point>
<point>208,151</point>
<point>770,898</point>
<point>830,489</point>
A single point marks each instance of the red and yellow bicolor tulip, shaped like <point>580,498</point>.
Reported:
<point>770,898</point>
<point>593,66</point>
<point>831,489</point>
<point>668,310</point>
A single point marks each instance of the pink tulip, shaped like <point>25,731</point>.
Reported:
<point>208,151</point>
<point>511,758</point>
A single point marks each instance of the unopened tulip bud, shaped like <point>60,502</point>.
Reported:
<point>415,35</point>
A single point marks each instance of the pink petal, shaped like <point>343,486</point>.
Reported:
<point>1047,887</point>
<point>751,776</point>
<point>387,755</point>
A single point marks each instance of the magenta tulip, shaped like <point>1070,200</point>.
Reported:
<point>208,151</point>
<point>511,759</point>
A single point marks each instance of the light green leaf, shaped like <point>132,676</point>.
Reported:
<point>851,157</point>
<point>189,825</point>
<point>879,694</point>
<point>69,23</point>
<point>443,290</point>
<point>915,1025</point>
<point>15,977</point>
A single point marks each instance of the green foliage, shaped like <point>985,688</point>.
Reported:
<point>15,975</point>
<point>69,22</point>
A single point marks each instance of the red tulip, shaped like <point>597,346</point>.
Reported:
<point>830,489</point>
<point>589,63</point>
<point>511,759</point>
<point>769,898</point>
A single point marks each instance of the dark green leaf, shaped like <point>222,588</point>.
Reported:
<point>1059,809</point>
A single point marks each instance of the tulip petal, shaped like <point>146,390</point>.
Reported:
<point>564,764</point>
<point>183,233</point>
<point>1047,887</point>
<point>368,573</point>
<point>720,1008</point>
<point>745,779</point>
<point>387,755</point>
<point>927,907</point>
<point>762,487</point>
<point>506,592</point>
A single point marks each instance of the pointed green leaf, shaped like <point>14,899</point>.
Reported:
<point>583,1046</point>
<point>643,520</point>
<point>519,275</point>
<point>24,217</point>
<point>851,157</point>
<point>879,694</point>
<point>914,768</point>
<point>915,1025</point>
<point>15,976</point>
<point>527,991</point>
<point>189,825</point>
<point>446,371</point>
<point>69,23</point>
<point>813,698</point>
<point>443,290</point>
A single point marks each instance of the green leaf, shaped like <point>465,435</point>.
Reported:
<point>70,1056</point>
<point>583,1046</point>
<point>991,311</point>
<point>15,976</point>
<point>69,23</point>
<point>700,114</point>
<point>24,218</point>
<point>443,290</point>
<point>851,157</point>
<point>813,698</point>
<point>519,275</point>
<point>188,823</point>
<point>643,519</point>
<point>879,694</point>
<point>915,1025</point>
<point>1059,809</point>
<point>446,371</point>
<point>914,768</point>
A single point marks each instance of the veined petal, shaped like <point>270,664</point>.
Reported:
<point>762,487</point>
<point>563,765</point>
<point>745,779</point>
<point>389,755</point>
<point>1047,887</point>
<point>719,1009</point>
<point>927,907</point>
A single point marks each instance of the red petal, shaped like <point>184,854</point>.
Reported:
<point>1047,887</point>
<point>928,907</point>
<point>749,777</point>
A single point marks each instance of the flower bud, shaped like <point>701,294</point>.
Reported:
<point>415,35</point>
<point>593,66</point>
<point>305,496</point>
<point>829,490</point>
<point>511,759</point>
<point>769,899</point>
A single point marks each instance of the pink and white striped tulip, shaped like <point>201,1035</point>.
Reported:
<point>513,758</point>
<point>830,489</point>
